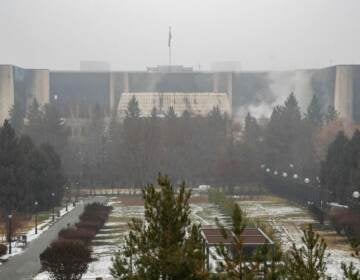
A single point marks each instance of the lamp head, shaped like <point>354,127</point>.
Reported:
<point>356,194</point>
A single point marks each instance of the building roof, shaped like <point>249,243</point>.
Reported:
<point>194,102</point>
<point>250,236</point>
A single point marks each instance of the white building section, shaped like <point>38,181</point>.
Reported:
<point>199,104</point>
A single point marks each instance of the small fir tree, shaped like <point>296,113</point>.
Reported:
<point>161,246</point>
<point>232,259</point>
<point>350,272</point>
<point>133,110</point>
<point>308,261</point>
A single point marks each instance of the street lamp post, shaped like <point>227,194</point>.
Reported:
<point>356,200</point>
<point>53,206</point>
<point>67,199</point>
<point>9,235</point>
<point>77,192</point>
<point>36,217</point>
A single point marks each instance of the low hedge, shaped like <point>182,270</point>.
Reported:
<point>91,221</point>
<point>82,234</point>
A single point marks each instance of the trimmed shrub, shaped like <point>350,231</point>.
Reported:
<point>82,234</point>
<point>66,259</point>
<point>95,215</point>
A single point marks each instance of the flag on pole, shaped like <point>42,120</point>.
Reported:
<point>170,37</point>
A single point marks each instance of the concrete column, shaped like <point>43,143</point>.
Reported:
<point>41,86</point>
<point>216,82</point>
<point>126,87</point>
<point>111,92</point>
<point>344,92</point>
<point>230,89</point>
<point>6,91</point>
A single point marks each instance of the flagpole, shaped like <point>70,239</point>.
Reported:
<point>169,45</point>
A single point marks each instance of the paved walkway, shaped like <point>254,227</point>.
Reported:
<point>27,264</point>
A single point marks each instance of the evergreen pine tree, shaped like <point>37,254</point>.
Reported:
<point>133,144</point>
<point>54,130</point>
<point>96,143</point>
<point>252,148</point>
<point>170,114</point>
<point>308,261</point>
<point>133,110</point>
<point>335,171</point>
<point>284,134</point>
<point>350,272</point>
<point>232,260</point>
<point>292,109</point>
<point>314,114</point>
<point>354,161</point>
<point>17,115</point>
<point>331,114</point>
<point>161,246</point>
<point>10,194</point>
<point>34,125</point>
<point>153,113</point>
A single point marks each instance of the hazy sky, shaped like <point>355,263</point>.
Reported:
<point>132,34</point>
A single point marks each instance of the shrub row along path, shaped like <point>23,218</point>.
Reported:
<point>24,266</point>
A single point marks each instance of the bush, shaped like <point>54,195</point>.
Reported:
<point>3,249</point>
<point>92,225</point>
<point>95,215</point>
<point>82,234</point>
<point>66,259</point>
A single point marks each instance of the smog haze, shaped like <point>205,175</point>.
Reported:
<point>261,35</point>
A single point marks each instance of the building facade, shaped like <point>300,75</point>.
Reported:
<point>76,93</point>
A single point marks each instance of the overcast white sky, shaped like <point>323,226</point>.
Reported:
<point>132,34</point>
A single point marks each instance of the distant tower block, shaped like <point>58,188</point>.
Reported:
<point>6,91</point>
<point>344,92</point>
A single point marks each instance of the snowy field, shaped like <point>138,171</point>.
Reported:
<point>286,219</point>
<point>110,238</point>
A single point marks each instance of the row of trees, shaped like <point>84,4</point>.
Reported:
<point>213,149</point>
<point>184,147</point>
<point>208,149</point>
<point>28,173</point>
<point>42,124</point>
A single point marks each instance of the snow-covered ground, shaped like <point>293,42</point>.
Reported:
<point>288,221</point>
<point>110,238</point>
<point>18,247</point>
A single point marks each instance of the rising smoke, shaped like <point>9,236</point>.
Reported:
<point>279,86</point>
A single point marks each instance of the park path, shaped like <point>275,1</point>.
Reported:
<point>27,264</point>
